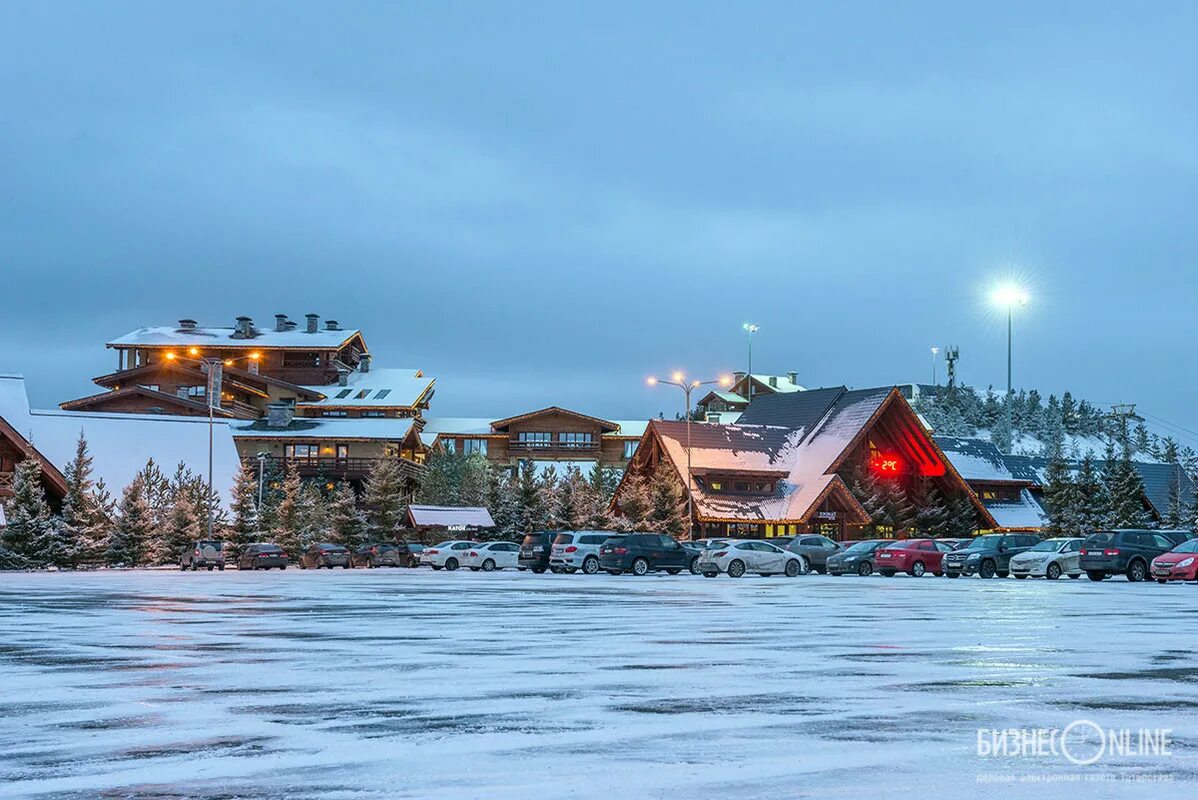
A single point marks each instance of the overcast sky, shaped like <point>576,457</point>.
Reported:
<point>542,205</point>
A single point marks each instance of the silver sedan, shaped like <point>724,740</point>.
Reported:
<point>1050,559</point>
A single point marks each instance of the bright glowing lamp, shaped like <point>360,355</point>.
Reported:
<point>1009,295</point>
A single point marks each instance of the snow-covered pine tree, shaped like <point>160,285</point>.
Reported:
<point>313,516</point>
<point>549,501</point>
<point>440,482</point>
<point>506,510</point>
<point>1127,493</point>
<point>135,525</point>
<point>1062,497</point>
<point>289,517</point>
<point>1094,505</point>
<point>962,517</point>
<point>898,512</point>
<point>474,481</point>
<point>243,527</point>
<point>1174,516</point>
<point>78,509</point>
<point>602,483</point>
<point>182,528</point>
<point>385,500</point>
<point>1168,451</point>
<point>30,524</point>
<point>931,510</point>
<point>634,502</point>
<point>532,502</point>
<point>347,523</point>
<point>1068,412</point>
<point>667,503</point>
<point>96,534</point>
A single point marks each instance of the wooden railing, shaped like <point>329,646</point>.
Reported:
<point>333,467</point>
<point>517,446</point>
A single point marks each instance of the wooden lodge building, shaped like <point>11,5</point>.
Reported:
<point>785,466</point>
<point>726,405</point>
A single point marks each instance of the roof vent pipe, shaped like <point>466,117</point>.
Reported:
<point>313,322</point>
<point>187,324</point>
<point>280,322</point>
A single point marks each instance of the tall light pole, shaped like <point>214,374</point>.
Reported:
<point>1009,295</point>
<point>935,350</point>
<point>750,329</point>
<point>687,387</point>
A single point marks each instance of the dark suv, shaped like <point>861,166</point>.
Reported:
<point>987,555</point>
<point>535,551</point>
<point>640,553</point>
<point>262,556</point>
<point>205,554</point>
<point>1122,551</point>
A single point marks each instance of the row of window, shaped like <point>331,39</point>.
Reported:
<point>470,446</point>
<point>734,485</point>
<point>362,394</point>
<point>341,412</point>
<point>546,439</point>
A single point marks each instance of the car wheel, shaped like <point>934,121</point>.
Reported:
<point>917,570</point>
<point>1095,575</point>
<point>673,571</point>
<point>590,565</point>
<point>538,570</point>
<point>451,564</point>
<point>1020,577</point>
<point>209,567</point>
<point>736,568</point>
<point>710,574</point>
<point>283,567</point>
<point>640,567</point>
<point>1136,571</point>
<point>221,568</point>
<point>804,565</point>
<point>1054,571</point>
<point>434,566</point>
<point>864,569</point>
<point>489,565</point>
<point>1074,575</point>
<point>987,569</point>
<point>694,566</point>
<point>614,572</point>
<point>953,574</point>
<point>792,568</point>
<point>1161,580</point>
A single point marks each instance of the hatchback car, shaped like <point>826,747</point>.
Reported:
<point>446,554</point>
<point>1050,559</point>
<point>1177,537</point>
<point>535,551</point>
<point>989,555</point>
<point>489,556</point>
<point>206,554</point>
<point>814,551</point>
<point>324,554</point>
<point>577,550</point>
<point>739,557</point>
<point>641,553</point>
<point>1126,552</point>
<point>262,556</point>
<point>1179,564</point>
<point>857,558</point>
<point>382,554</point>
<point>916,557</point>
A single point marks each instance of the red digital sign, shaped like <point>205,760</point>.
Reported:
<point>887,465</point>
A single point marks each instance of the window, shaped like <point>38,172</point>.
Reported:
<point>196,391</point>
<point>450,445</point>
<point>575,439</point>
<point>153,387</point>
<point>332,413</point>
<point>361,395</point>
<point>1073,547</point>
<point>716,486</point>
<point>344,393</point>
<point>630,448</point>
<point>381,393</point>
<point>301,451</point>
<point>812,541</point>
<point>374,413</point>
<point>472,446</point>
<point>535,438</point>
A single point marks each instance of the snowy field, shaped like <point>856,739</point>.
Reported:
<point>410,683</point>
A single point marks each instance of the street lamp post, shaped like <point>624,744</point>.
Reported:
<point>750,329</point>
<point>935,350</point>
<point>1009,296</point>
<point>687,387</point>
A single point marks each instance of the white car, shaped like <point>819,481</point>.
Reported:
<point>489,556</point>
<point>446,554</point>
<point>577,550</point>
<point>1050,559</point>
<point>739,557</point>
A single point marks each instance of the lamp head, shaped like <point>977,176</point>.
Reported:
<point>651,381</point>
<point>1009,295</point>
<point>678,376</point>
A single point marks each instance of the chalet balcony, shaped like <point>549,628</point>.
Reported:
<point>517,447</point>
<point>348,468</point>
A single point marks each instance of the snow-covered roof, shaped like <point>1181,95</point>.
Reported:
<point>729,397</point>
<point>121,444</point>
<point>450,516</point>
<point>364,428</point>
<point>475,426</point>
<point>169,335</point>
<point>976,459</point>
<point>378,387</point>
<point>780,383</point>
<point>1024,514</point>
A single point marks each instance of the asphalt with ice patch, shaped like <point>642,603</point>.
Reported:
<point>411,683</point>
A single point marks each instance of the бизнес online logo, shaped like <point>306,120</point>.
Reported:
<point>1081,742</point>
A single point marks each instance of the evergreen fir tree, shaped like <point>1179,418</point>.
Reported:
<point>312,516</point>
<point>931,510</point>
<point>548,506</point>
<point>1068,413</point>
<point>289,517</point>
<point>385,500</point>
<point>474,481</point>
<point>962,516</point>
<point>94,537</point>
<point>506,510</point>
<point>634,501</point>
<point>898,512</point>
<point>667,502</point>
<point>30,526</point>
<point>1168,451</point>
<point>531,500</point>
<point>243,527</point>
<point>347,523</point>
<point>1001,433</point>
<point>440,481</point>
<point>1126,491</point>
<point>78,505</point>
<point>1174,516</point>
<point>134,527</point>
<point>1094,505</point>
<point>1062,498</point>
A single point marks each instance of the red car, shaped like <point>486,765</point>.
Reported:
<point>912,556</point>
<point>1179,564</point>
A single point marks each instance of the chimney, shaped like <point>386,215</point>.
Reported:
<point>774,381</point>
<point>290,325</point>
<point>279,415</point>
<point>313,322</point>
<point>187,324</point>
<point>244,328</point>
<point>364,362</point>
<point>331,325</point>
<point>793,377</point>
<point>342,377</point>
<point>737,377</point>
<point>280,322</point>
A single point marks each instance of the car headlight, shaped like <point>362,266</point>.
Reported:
<point>973,559</point>
<point>1185,562</point>
<point>851,558</point>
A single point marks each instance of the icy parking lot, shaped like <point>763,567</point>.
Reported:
<point>410,683</point>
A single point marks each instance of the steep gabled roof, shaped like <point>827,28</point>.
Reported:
<point>604,425</point>
<point>92,401</point>
<point>377,388</point>
<point>241,377</point>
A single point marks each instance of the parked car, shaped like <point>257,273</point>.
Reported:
<point>916,557</point>
<point>856,559</point>
<point>535,551</point>
<point>577,550</point>
<point>814,550</point>
<point>412,556</point>
<point>204,554</point>
<point>324,554</point>
<point>489,556</point>
<point>954,543</point>
<point>446,554</point>
<point>262,556</point>
<point>1050,559</point>
<point>989,555</point>
<point>1179,564</point>
<point>707,544</point>
<point>739,557</point>
<point>640,553</point>
<point>381,554</point>
<point>1127,552</point>
<point>1177,537</point>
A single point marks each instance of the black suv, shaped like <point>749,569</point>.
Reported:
<point>987,555</point>
<point>640,553</point>
<point>1122,551</point>
<point>535,551</point>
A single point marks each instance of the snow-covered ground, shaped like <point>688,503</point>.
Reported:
<point>405,683</point>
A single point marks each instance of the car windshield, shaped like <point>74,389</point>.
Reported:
<point>446,543</point>
<point>863,547</point>
<point>984,542</point>
<point>563,538</point>
<point>1187,547</point>
<point>535,538</point>
<point>1047,546</point>
<point>1105,537</point>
